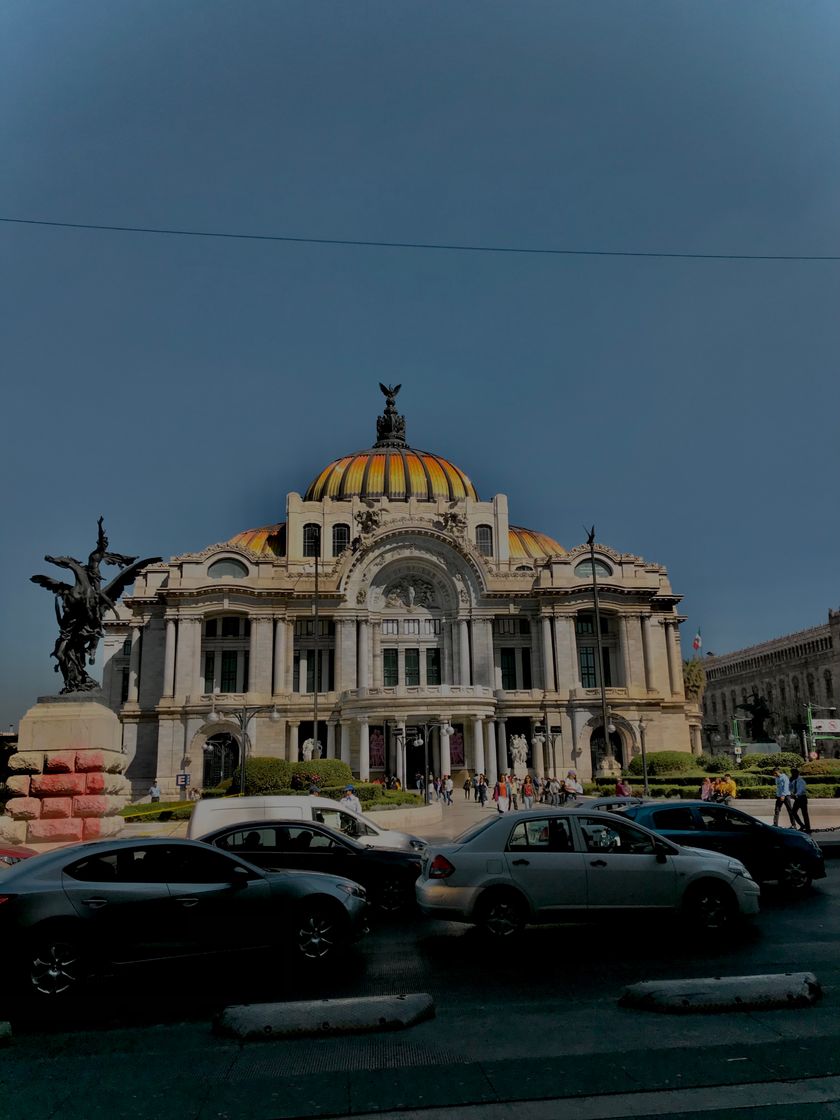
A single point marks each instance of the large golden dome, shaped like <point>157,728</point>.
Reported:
<point>391,469</point>
<point>398,473</point>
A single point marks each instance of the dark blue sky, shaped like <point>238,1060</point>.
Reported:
<point>181,387</point>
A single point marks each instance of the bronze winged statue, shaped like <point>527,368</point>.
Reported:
<point>80,607</point>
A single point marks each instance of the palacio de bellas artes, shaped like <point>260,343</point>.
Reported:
<point>404,614</point>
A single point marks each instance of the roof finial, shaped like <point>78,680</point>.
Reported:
<point>390,426</point>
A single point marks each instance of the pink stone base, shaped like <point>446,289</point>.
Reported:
<point>56,808</point>
<point>71,830</point>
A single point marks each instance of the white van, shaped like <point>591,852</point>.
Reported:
<point>216,812</point>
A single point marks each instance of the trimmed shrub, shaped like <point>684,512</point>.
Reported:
<point>767,762</point>
<point>160,811</point>
<point>714,763</point>
<point>821,766</point>
<point>665,762</point>
<point>323,771</point>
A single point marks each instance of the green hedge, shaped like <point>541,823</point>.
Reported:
<point>159,811</point>
<point>665,762</point>
<point>327,771</point>
<point>822,767</point>
<point>766,763</point>
<point>266,776</point>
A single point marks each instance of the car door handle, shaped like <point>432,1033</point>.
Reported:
<point>521,862</point>
<point>187,902</point>
<point>597,863</point>
<point>95,903</point>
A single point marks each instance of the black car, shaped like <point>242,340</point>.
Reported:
<point>74,911</point>
<point>770,853</point>
<point>388,874</point>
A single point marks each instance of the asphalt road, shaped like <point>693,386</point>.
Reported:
<point>544,1006</point>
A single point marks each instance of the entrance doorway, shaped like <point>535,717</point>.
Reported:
<point>596,744</point>
<point>221,757</point>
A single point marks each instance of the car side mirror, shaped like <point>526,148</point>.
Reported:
<point>662,853</point>
<point>240,876</point>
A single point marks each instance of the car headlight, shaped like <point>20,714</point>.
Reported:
<point>353,888</point>
<point>812,843</point>
<point>738,869</point>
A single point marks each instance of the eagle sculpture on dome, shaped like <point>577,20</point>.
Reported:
<point>390,426</point>
<point>390,392</point>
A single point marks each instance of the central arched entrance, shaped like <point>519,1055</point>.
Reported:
<point>221,758</point>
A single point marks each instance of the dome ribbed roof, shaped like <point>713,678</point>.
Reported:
<point>525,544</point>
<point>270,540</point>
<point>398,473</point>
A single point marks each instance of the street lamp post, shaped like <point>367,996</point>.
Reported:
<point>605,712</point>
<point>241,716</point>
<point>423,741</point>
<point>642,730</point>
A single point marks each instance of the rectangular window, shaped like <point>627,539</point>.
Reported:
<point>390,668</point>
<point>526,669</point>
<point>432,666</point>
<point>607,668</point>
<point>412,666</point>
<point>210,628</point>
<point>524,626</point>
<point>209,671</point>
<point>431,625</point>
<point>411,626</point>
<point>505,625</point>
<point>124,686</point>
<point>584,624</point>
<point>390,626</point>
<point>310,673</point>
<point>230,664</point>
<point>484,540</point>
<point>586,656</point>
<point>507,660</point>
<point>296,673</point>
<point>127,647</point>
<point>305,627</point>
<point>230,626</point>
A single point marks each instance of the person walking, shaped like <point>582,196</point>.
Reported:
<point>482,790</point>
<point>782,796</point>
<point>706,789</point>
<point>467,787</point>
<point>528,792</point>
<point>475,781</point>
<point>350,801</point>
<point>448,787</point>
<point>501,794</point>
<point>799,793</point>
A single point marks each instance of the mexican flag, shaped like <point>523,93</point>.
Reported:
<point>698,641</point>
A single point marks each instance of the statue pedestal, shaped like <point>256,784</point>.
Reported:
<point>608,767</point>
<point>67,775</point>
<point>520,770</point>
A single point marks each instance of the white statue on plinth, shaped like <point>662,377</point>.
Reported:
<point>519,751</point>
<point>308,749</point>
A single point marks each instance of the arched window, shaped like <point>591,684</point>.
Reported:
<point>584,568</point>
<point>230,569</point>
<point>795,683</point>
<point>484,539</point>
<point>312,540</point>
<point>812,691</point>
<point>714,708</point>
<point>829,685</point>
<point>341,539</point>
<point>782,693</point>
<point>723,702</point>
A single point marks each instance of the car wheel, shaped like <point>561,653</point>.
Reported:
<point>392,896</point>
<point>711,907</point>
<point>319,933</point>
<point>501,915</point>
<point>57,968</point>
<point>795,875</point>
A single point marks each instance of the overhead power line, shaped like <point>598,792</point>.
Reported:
<point>441,247</point>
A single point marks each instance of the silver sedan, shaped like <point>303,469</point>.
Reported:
<point>551,865</point>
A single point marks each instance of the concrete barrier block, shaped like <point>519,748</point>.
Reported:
<point>262,1021</point>
<point>724,993</point>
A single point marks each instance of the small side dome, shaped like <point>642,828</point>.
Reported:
<point>398,473</point>
<point>527,544</point>
<point>270,540</point>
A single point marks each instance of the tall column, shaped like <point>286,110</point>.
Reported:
<point>290,657</point>
<point>624,637</point>
<point>670,649</point>
<point>678,687</point>
<point>364,654</point>
<point>331,739</point>
<point>549,683</point>
<point>278,683</point>
<point>303,670</point>
<point>502,760</point>
<point>463,651</point>
<point>445,755</point>
<point>188,657</point>
<point>434,757</point>
<point>134,666</point>
<point>169,658</point>
<point>261,655</point>
<point>490,755</point>
<point>478,745</point>
<point>364,750</point>
<point>294,746</point>
<point>447,669</point>
<point>345,741</point>
<point>646,652</point>
<point>376,674</point>
<point>537,757</point>
<point>564,668</point>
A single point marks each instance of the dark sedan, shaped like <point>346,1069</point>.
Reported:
<point>78,909</point>
<point>772,854</point>
<point>388,874</point>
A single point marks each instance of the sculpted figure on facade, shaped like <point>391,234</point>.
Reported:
<point>454,522</point>
<point>410,591</point>
<point>519,750</point>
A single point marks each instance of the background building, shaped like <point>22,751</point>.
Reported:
<point>776,680</point>
<point>431,611</point>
